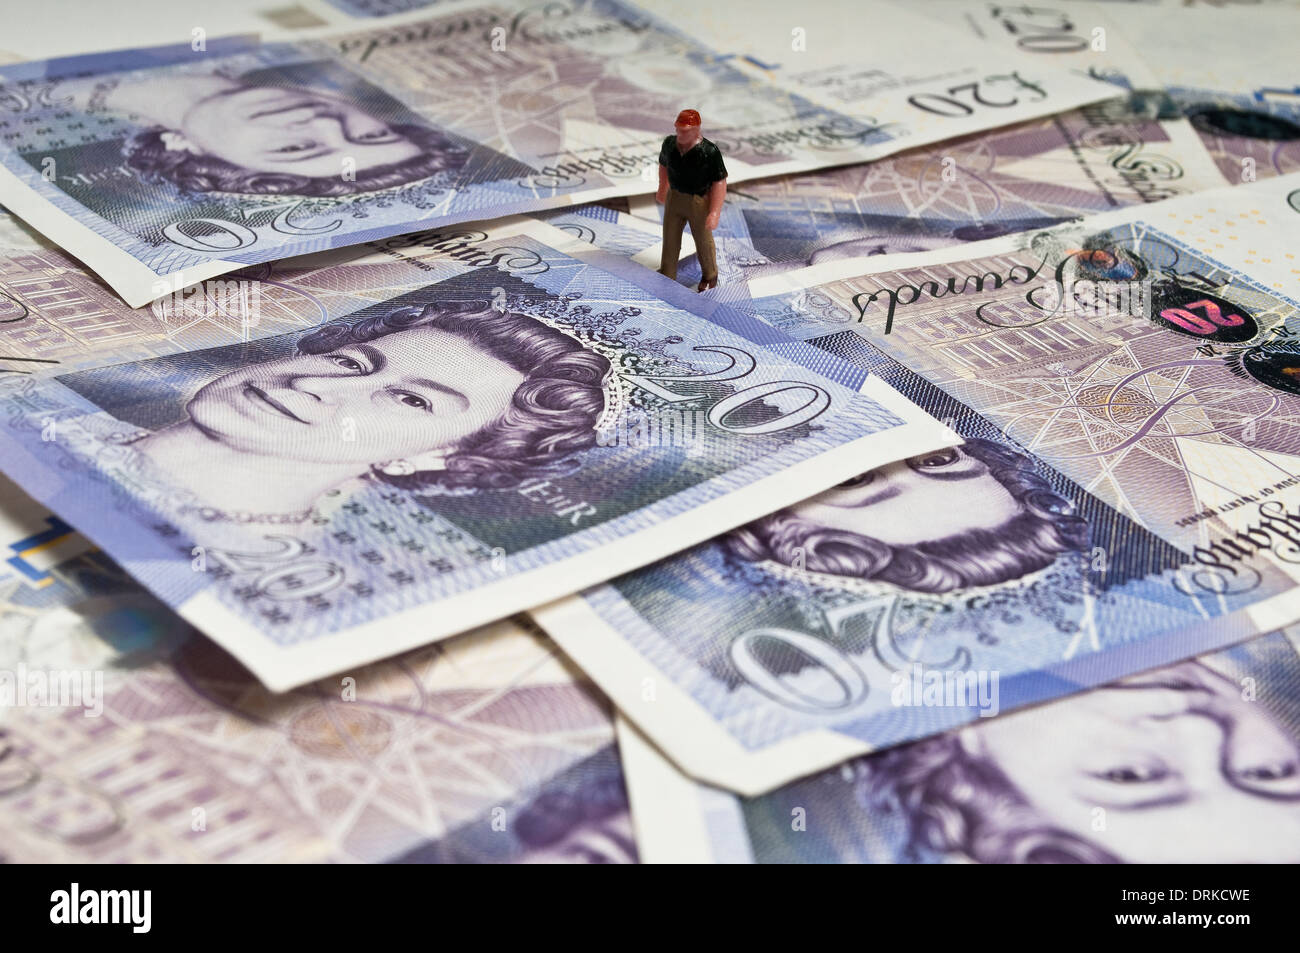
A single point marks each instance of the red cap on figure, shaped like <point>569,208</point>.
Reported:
<point>688,117</point>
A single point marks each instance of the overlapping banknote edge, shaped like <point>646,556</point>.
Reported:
<point>138,284</point>
<point>1181,209</point>
<point>1182,157</point>
<point>281,668</point>
<point>679,821</point>
<point>680,725</point>
<point>90,327</point>
<point>682,820</point>
<point>373,766</point>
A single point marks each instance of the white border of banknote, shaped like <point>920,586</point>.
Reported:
<point>666,815</point>
<point>99,254</point>
<point>282,668</point>
<point>715,757</point>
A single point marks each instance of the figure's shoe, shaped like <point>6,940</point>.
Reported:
<point>705,285</point>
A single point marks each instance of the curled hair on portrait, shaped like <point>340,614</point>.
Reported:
<point>551,416</point>
<point>554,815</point>
<point>147,153</point>
<point>953,802</point>
<point>1030,541</point>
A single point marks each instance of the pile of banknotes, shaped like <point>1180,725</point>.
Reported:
<point>369,495</point>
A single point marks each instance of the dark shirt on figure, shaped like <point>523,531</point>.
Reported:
<point>694,171</point>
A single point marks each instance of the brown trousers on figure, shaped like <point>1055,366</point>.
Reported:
<point>679,209</point>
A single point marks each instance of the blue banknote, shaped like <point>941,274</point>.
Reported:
<point>1197,762</point>
<point>238,151</point>
<point>442,456</point>
<point>1128,493</point>
<point>166,166</point>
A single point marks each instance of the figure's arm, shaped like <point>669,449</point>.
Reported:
<point>662,195</point>
<point>717,193</point>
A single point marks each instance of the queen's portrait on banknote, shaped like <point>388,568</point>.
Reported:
<point>309,129</point>
<point>990,518</point>
<point>1195,762</point>
<point>1171,751</point>
<point>451,397</point>
<point>587,827</point>
<point>584,821</point>
<point>1115,534</point>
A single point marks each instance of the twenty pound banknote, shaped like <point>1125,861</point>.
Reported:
<point>163,167</point>
<point>1197,762</point>
<point>441,457</point>
<point>1243,101</point>
<point>1128,494</point>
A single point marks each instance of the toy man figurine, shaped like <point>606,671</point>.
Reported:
<point>693,183</point>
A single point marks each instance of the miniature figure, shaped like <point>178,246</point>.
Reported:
<point>692,186</point>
